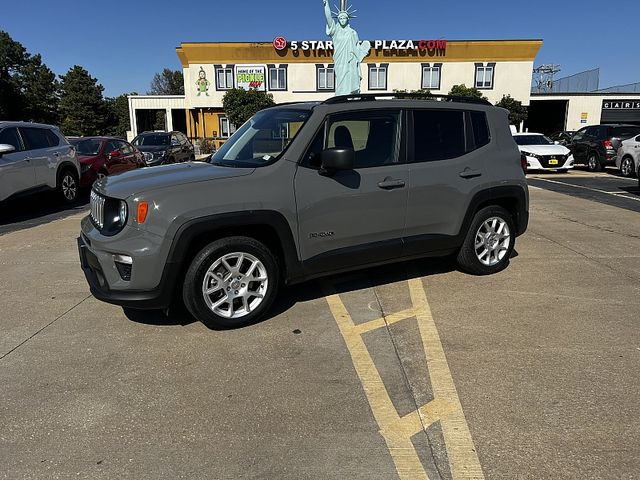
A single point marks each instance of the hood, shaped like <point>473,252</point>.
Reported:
<point>545,149</point>
<point>141,180</point>
<point>153,148</point>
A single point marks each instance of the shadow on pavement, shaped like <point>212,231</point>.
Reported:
<point>36,209</point>
<point>311,290</point>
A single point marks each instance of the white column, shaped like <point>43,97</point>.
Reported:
<point>132,118</point>
<point>168,120</point>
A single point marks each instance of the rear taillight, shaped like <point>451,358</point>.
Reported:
<point>523,162</point>
<point>607,144</point>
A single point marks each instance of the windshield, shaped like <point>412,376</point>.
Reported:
<point>87,147</point>
<point>532,140</point>
<point>151,140</point>
<point>262,139</point>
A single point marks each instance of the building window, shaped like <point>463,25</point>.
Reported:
<point>226,128</point>
<point>325,77</point>
<point>431,76</point>
<point>224,78</point>
<point>277,77</point>
<point>484,75</point>
<point>378,77</point>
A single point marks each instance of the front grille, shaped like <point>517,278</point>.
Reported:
<point>544,160</point>
<point>97,209</point>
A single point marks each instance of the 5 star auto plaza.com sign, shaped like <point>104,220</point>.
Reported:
<point>280,43</point>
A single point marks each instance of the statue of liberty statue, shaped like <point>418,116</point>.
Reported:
<point>348,50</point>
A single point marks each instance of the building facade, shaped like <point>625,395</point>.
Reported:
<point>303,71</point>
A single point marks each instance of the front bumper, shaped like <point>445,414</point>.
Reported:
<point>151,281</point>
<point>534,164</point>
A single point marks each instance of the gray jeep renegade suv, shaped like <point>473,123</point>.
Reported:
<point>303,190</point>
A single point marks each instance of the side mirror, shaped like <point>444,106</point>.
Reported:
<point>335,159</point>
<point>6,148</point>
<point>115,153</point>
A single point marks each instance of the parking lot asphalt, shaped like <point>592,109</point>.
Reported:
<point>410,371</point>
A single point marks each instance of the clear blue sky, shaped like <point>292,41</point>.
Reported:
<point>123,44</point>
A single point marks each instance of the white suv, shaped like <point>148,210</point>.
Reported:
<point>36,157</point>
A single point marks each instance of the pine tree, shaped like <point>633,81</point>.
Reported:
<point>82,109</point>
<point>117,115</point>
<point>168,82</point>
<point>39,87</point>
<point>13,57</point>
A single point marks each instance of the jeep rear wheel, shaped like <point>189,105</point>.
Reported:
<point>489,242</point>
<point>231,282</point>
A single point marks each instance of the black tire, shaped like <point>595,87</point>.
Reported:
<point>627,167</point>
<point>192,290</point>
<point>68,185</point>
<point>467,258</point>
<point>593,163</point>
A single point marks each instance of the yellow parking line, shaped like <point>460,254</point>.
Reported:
<point>461,451</point>
<point>383,321</point>
<point>398,440</point>
<point>397,431</point>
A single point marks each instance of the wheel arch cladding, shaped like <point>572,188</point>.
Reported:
<point>267,227</point>
<point>511,198</point>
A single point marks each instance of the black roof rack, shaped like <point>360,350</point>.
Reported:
<point>367,97</point>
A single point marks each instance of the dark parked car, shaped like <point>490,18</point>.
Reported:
<point>562,138</point>
<point>160,148</point>
<point>102,156</point>
<point>596,146</point>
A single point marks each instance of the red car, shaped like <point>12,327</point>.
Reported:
<point>102,156</point>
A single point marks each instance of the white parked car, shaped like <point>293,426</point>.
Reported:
<point>542,153</point>
<point>628,157</point>
<point>36,157</point>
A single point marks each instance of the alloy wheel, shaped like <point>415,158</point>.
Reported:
<point>626,167</point>
<point>69,187</point>
<point>492,242</point>
<point>235,285</point>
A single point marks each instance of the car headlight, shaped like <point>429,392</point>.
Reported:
<point>115,216</point>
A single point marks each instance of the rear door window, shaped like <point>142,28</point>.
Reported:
<point>9,136</point>
<point>625,132</point>
<point>480,129</point>
<point>54,140</point>
<point>438,135</point>
<point>35,138</point>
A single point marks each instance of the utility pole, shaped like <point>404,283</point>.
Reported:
<point>544,77</point>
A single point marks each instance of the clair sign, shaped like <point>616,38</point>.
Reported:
<point>279,43</point>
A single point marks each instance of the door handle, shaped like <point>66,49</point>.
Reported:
<point>391,183</point>
<point>470,173</point>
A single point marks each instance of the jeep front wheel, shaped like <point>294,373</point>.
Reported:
<point>489,242</point>
<point>231,282</point>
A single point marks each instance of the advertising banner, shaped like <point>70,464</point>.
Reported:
<point>251,77</point>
